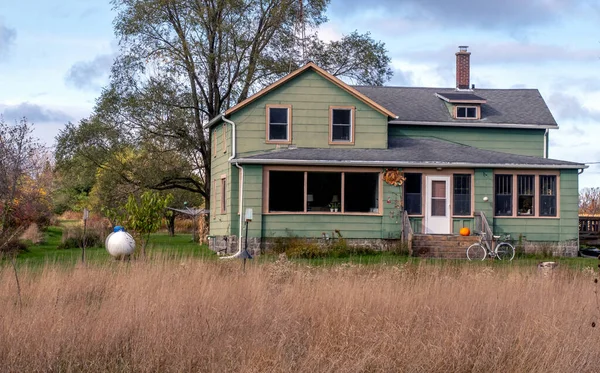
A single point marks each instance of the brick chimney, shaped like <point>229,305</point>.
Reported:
<point>463,67</point>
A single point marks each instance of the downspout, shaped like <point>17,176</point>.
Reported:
<point>241,184</point>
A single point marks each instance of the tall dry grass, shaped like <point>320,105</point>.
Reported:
<point>198,316</point>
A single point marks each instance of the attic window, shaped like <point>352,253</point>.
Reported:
<point>341,125</point>
<point>467,112</point>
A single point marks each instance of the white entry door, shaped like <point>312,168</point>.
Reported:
<point>437,205</point>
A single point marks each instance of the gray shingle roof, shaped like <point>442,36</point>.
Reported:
<point>407,152</point>
<point>504,106</point>
<point>460,96</point>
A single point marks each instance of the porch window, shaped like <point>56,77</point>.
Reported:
<point>547,195</point>
<point>361,192</point>
<point>526,194</point>
<point>326,190</point>
<point>462,195</point>
<point>412,194</point>
<point>286,191</point>
<point>503,198</point>
<point>279,123</point>
<point>341,125</point>
<point>323,191</point>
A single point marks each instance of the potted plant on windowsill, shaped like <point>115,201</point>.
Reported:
<point>335,204</point>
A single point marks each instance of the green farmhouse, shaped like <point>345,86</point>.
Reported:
<point>311,155</point>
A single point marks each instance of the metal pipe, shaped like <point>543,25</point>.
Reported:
<point>241,186</point>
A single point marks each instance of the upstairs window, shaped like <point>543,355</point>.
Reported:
<point>341,128</point>
<point>279,124</point>
<point>467,112</point>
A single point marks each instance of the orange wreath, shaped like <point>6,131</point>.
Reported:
<point>393,177</point>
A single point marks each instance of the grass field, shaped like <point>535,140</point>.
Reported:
<point>196,315</point>
<point>182,309</point>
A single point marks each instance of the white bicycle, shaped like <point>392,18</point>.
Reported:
<point>480,250</point>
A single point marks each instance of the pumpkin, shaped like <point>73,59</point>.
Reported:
<point>464,231</point>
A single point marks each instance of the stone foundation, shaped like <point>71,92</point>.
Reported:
<point>228,244</point>
<point>548,248</point>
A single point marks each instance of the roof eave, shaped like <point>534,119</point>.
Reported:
<point>474,123</point>
<point>301,162</point>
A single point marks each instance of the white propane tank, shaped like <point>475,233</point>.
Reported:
<point>119,243</point>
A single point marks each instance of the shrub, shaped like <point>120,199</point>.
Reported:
<point>72,238</point>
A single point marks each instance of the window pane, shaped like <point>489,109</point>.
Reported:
<point>361,192</point>
<point>341,116</point>
<point>278,115</point>
<point>547,195</point>
<point>503,200</point>
<point>412,193</point>
<point>341,133</point>
<point>438,207</point>
<point>462,194</point>
<point>278,132</point>
<point>526,191</point>
<point>223,196</point>
<point>471,112</point>
<point>286,191</point>
<point>326,189</point>
<point>438,189</point>
<point>461,112</point>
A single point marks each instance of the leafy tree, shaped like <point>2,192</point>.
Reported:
<point>183,62</point>
<point>144,215</point>
<point>20,156</point>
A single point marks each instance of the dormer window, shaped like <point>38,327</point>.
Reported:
<point>467,112</point>
<point>279,124</point>
<point>462,105</point>
<point>341,125</point>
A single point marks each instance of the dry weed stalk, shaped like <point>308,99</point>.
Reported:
<point>199,316</point>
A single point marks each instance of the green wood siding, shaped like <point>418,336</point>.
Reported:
<point>220,224</point>
<point>310,96</point>
<point>517,141</point>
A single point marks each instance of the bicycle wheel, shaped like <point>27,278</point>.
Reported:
<point>476,252</point>
<point>505,251</point>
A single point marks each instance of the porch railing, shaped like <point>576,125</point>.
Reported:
<point>481,225</point>
<point>407,231</point>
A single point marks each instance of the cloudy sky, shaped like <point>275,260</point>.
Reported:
<point>56,56</point>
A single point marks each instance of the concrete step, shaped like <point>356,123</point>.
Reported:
<point>442,246</point>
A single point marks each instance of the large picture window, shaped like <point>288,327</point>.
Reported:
<point>323,191</point>
<point>279,123</point>
<point>462,195</point>
<point>286,191</point>
<point>341,129</point>
<point>412,193</point>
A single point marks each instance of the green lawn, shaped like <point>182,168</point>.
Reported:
<point>160,244</point>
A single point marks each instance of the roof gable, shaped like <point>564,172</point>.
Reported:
<point>309,66</point>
